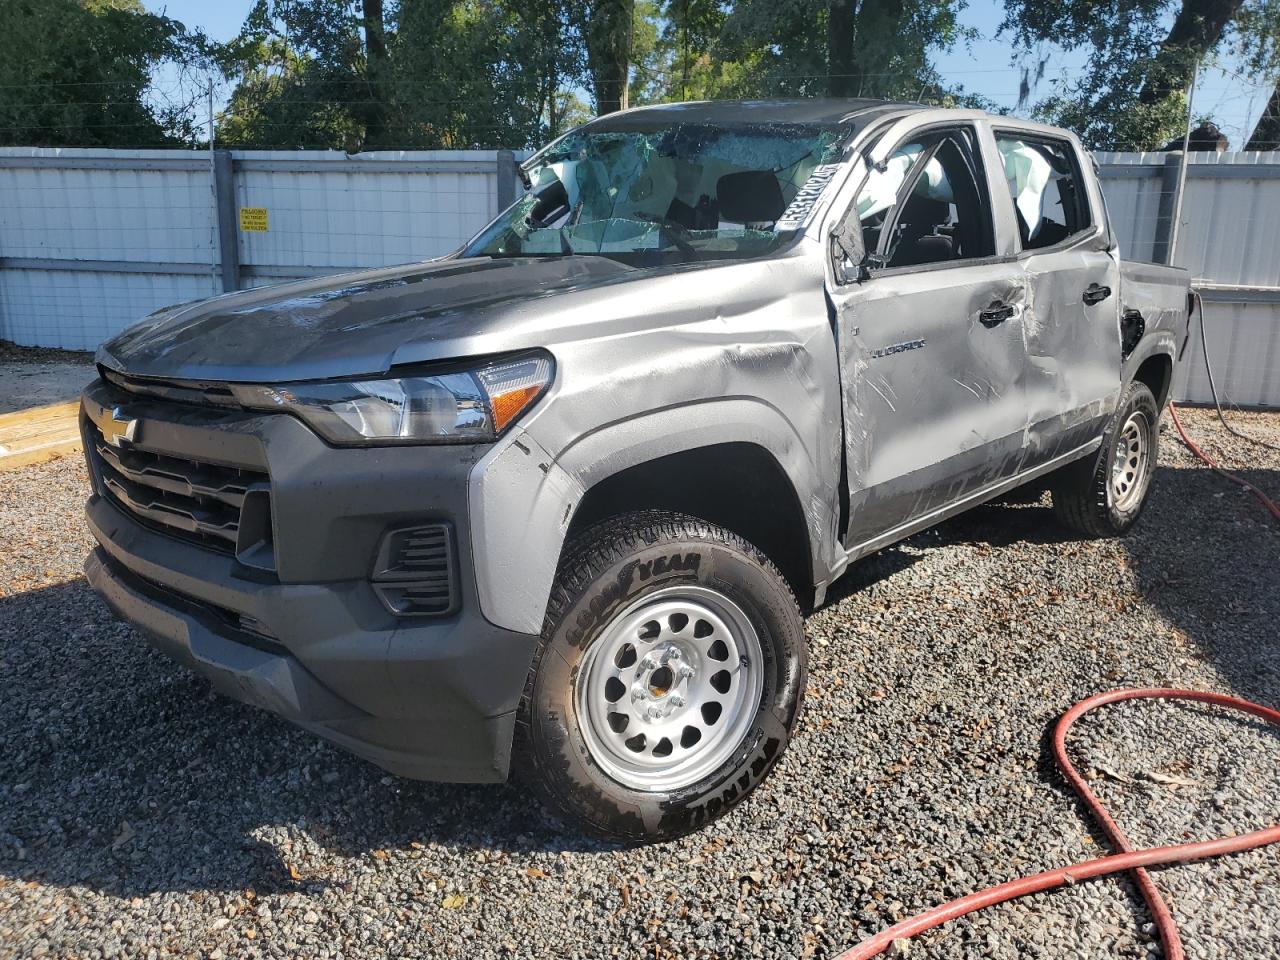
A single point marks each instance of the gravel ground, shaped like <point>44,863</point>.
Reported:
<point>11,352</point>
<point>142,816</point>
<point>26,384</point>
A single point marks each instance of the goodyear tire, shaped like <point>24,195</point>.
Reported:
<point>668,680</point>
<point>1103,496</point>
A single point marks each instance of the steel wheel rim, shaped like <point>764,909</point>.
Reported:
<point>1130,461</point>
<point>681,659</point>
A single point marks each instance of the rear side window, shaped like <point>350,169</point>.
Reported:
<point>1048,193</point>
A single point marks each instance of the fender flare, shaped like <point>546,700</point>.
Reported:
<point>1159,343</point>
<point>520,486</point>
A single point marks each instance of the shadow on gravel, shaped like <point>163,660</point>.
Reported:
<point>125,773</point>
<point>868,571</point>
<point>1210,566</point>
<point>1206,556</point>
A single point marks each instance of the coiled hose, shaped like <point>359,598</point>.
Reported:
<point>1126,856</point>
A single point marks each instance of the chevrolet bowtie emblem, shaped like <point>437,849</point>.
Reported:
<point>118,427</point>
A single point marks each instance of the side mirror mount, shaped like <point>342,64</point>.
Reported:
<point>869,264</point>
<point>846,253</point>
<point>853,263</point>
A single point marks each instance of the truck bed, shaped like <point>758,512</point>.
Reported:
<point>1160,296</point>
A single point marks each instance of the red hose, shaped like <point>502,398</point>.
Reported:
<point>1266,501</point>
<point>1126,858</point>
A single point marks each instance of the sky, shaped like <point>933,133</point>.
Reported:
<point>983,66</point>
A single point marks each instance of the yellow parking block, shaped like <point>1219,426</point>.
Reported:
<point>38,434</point>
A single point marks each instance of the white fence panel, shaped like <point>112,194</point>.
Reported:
<point>1245,351</point>
<point>330,211</point>
<point>69,217</point>
<point>1133,200</point>
<point>93,240</point>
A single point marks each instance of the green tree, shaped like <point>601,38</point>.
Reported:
<point>418,73</point>
<point>78,73</point>
<point>839,48</point>
<point>1258,45</point>
<point>605,27</point>
<point>1142,55</point>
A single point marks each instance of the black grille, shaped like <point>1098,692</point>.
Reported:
<point>240,626</point>
<point>414,572</point>
<point>191,499</point>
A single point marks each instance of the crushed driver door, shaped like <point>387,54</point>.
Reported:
<point>929,328</point>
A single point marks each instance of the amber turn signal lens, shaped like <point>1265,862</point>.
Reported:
<point>507,406</point>
<point>514,385</point>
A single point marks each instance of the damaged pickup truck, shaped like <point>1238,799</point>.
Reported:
<point>553,504</point>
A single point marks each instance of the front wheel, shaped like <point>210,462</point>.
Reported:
<point>1103,496</point>
<point>668,680</point>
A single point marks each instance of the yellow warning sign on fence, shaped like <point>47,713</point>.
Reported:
<point>253,219</point>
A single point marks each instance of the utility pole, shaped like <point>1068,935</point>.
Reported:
<point>213,193</point>
<point>1175,227</point>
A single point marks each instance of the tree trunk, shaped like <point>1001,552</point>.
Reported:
<point>1266,135</point>
<point>1195,31</point>
<point>553,91</point>
<point>376,111</point>
<point>608,35</point>
<point>841,29</point>
<point>880,23</point>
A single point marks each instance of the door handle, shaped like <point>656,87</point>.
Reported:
<point>1096,293</point>
<point>997,313</point>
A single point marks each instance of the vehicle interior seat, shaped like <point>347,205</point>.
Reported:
<point>920,239</point>
<point>750,196</point>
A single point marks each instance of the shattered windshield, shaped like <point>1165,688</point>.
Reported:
<point>687,191</point>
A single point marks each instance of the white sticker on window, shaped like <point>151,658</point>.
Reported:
<point>801,207</point>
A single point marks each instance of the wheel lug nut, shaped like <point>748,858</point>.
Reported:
<point>677,700</point>
<point>686,670</point>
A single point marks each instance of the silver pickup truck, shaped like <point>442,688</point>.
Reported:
<point>554,504</point>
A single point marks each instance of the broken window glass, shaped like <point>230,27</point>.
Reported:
<point>682,192</point>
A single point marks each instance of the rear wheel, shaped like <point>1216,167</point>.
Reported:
<point>668,680</point>
<point>1103,496</point>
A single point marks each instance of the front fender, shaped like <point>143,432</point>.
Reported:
<point>522,499</point>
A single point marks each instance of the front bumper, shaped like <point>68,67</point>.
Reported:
<point>424,697</point>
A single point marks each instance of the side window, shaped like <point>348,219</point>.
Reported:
<point>943,216</point>
<point>880,192</point>
<point>1048,194</point>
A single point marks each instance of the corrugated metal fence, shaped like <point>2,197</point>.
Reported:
<point>92,240</point>
<point>1229,240</point>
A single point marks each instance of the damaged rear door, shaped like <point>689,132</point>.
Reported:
<point>1072,316</point>
<point>930,333</point>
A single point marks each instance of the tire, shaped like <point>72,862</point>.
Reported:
<point>653,617</point>
<point>1094,495</point>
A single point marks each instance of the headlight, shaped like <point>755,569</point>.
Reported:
<point>462,406</point>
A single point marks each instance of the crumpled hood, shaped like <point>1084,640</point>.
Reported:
<point>357,323</point>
